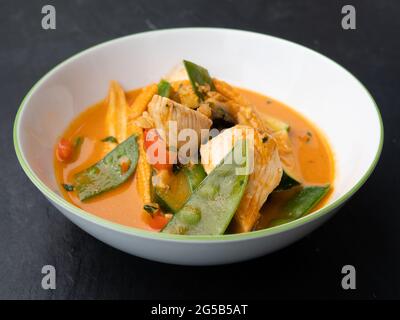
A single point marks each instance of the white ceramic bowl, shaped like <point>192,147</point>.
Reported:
<point>314,85</point>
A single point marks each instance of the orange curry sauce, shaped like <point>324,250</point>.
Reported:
<point>123,204</point>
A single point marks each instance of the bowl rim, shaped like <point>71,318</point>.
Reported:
<point>133,231</point>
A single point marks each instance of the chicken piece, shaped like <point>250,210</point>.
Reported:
<point>215,150</point>
<point>265,175</point>
<point>234,106</point>
<point>205,109</point>
<point>263,180</point>
<point>221,107</point>
<point>144,121</point>
<point>182,92</point>
<point>285,149</point>
<point>163,110</point>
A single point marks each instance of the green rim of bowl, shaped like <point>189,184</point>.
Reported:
<point>59,200</point>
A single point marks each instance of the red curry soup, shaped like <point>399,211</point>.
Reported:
<point>119,160</point>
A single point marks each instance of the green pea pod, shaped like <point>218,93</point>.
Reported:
<point>195,175</point>
<point>108,174</point>
<point>198,76</point>
<point>164,88</point>
<point>211,207</point>
<point>301,204</point>
<point>279,221</point>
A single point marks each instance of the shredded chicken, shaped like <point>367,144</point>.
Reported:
<point>164,110</point>
<point>145,121</point>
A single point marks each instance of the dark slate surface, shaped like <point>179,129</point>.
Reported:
<point>365,233</point>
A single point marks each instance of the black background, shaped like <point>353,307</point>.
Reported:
<point>365,233</point>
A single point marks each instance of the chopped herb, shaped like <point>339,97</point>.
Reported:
<point>151,208</point>
<point>68,187</point>
<point>176,167</point>
<point>221,112</point>
<point>199,78</point>
<point>110,139</point>
<point>78,142</point>
<point>309,136</point>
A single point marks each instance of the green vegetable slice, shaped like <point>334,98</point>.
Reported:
<point>107,174</point>
<point>211,207</point>
<point>287,181</point>
<point>78,142</point>
<point>301,204</point>
<point>164,88</point>
<point>198,76</point>
<point>110,139</point>
<point>181,186</point>
<point>195,175</point>
<point>171,199</point>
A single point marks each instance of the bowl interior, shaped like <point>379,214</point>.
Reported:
<point>312,84</point>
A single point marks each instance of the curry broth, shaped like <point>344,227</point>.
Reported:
<point>314,157</point>
<point>123,204</point>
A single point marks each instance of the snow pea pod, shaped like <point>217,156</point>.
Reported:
<point>110,172</point>
<point>301,204</point>
<point>195,175</point>
<point>212,205</point>
<point>198,76</point>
